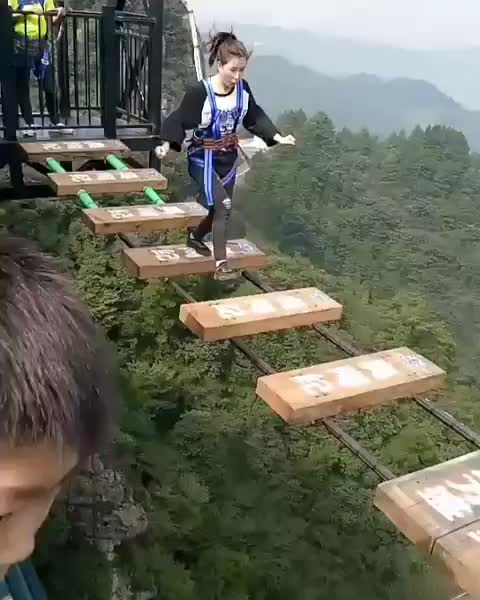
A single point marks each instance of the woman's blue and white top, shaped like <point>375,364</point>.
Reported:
<point>213,115</point>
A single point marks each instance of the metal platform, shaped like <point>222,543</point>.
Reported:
<point>115,95</point>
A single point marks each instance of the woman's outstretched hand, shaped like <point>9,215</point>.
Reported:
<point>287,140</point>
<point>162,150</point>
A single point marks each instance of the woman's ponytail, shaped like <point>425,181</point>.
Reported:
<point>223,45</point>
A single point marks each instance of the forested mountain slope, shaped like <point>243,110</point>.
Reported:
<point>400,216</point>
<point>240,506</point>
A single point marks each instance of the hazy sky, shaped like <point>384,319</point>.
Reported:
<point>405,23</point>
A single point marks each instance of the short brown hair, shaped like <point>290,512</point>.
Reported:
<point>56,379</point>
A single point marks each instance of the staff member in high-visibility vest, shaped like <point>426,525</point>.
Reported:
<point>32,51</point>
<point>214,109</point>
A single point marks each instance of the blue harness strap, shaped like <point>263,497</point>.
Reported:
<point>240,107</point>
<point>208,154</point>
<point>41,64</point>
<point>214,131</point>
<point>26,3</point>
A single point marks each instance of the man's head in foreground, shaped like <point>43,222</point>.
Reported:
<point>55,392</point>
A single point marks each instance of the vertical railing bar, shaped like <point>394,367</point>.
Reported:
<point>138,90</point>
<point>130,72</point>
<point>131,43</point>
<point>110,72</point>
<point>86,43</point>
<point>75,68</point>
<point>25,62</point>
<point>145,44</point>
<point>41,97</point>
<point>123,69</point>
<point>67,91</point>
<point>97,64</point>
<point>52,66</point>
<point>135,73</point>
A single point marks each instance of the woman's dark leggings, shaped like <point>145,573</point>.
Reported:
<point>218,215</point>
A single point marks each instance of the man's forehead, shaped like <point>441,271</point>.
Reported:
<point>34,468</point>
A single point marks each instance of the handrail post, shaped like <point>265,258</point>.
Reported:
<point>155,74</point>
<point>7,73</point>
<point>109,72</point>
<point>63,80</point>
<point>9,93</point>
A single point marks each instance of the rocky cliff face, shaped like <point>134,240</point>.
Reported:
<point>102,505</point>
<point>178,65</point>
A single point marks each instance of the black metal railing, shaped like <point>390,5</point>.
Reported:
<point>88,70</point>
<point>135,48</point>
<point>79,69</point>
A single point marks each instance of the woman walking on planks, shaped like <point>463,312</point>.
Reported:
<point>214,109</point>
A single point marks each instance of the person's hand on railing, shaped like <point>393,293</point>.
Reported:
<point>60,14</point>
<point>162,150</point>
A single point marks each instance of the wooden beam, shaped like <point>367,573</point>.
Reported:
<point>459,553</point>
<point>235,317</point>
<point>175,261</point>
<point>141,219</point>
<point>107,182</point>
<point>72,150</point>
<point>306,395</point>
<point>438,509</point>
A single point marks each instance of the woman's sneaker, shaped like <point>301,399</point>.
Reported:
<point>198,245</point>
<point>224,273</point>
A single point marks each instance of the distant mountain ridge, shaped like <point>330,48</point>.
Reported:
<point>357,101</point>
<point>452,71</point>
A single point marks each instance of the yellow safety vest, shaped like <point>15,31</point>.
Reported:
<point>31,26</point>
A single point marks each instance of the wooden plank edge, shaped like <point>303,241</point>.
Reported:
<point>201,268</point>
<point>154,224</point>
<point>270,325</point>
<point>130,265</point>
<point>357,402</point>
<point>399,510</point>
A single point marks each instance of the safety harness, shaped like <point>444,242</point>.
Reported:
<point>207,141</point>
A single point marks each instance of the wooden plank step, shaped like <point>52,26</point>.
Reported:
<point>233,317</point>
<point>38,151</point>
<point>307,395</point>
<point>438,509</point>
<point>174,261</point>
<point>107,182</point>
<point>125,219</point>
